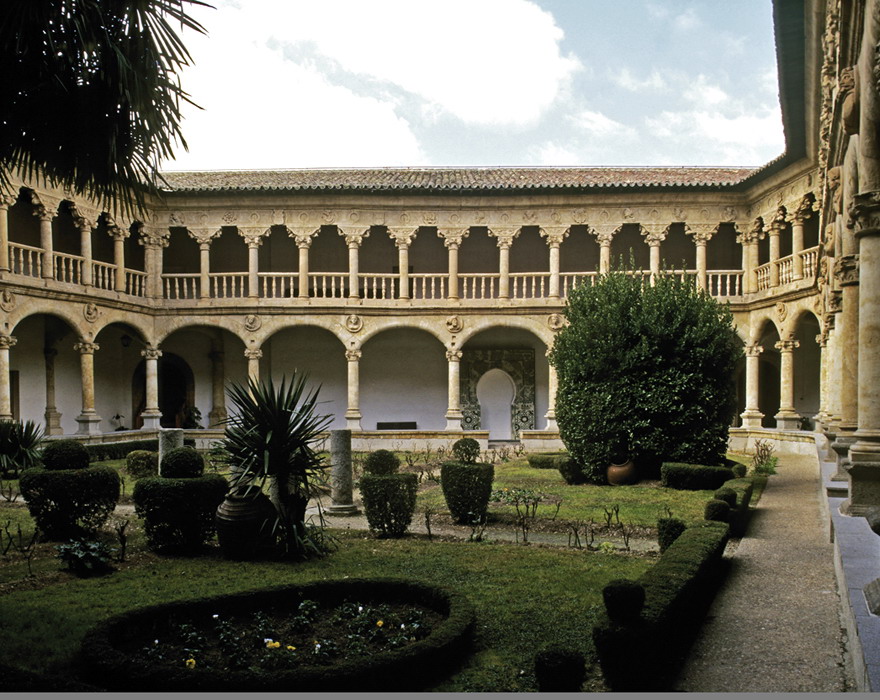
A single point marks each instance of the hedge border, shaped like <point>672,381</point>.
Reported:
<point>693,477</point>
<point>407,668</point>
<point>119,450</point>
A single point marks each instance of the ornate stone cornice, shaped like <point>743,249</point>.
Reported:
<point>452,238</point>
<point>354,238</point>
<point>554,235</point>
<point>846,270</point>
<point>505,236</point>
<point>86,348</point>
<point>151,353</point>
<point>402,237</point>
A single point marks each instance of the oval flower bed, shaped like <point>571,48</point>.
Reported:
<point>379,634</point>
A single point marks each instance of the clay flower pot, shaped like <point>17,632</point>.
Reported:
<point>622,474</point>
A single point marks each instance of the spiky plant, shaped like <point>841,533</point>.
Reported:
<point>19,446</point>
<point>270,436</point>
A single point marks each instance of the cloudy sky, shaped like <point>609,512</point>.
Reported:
<point>367,83</point>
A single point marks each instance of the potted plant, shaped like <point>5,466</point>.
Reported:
<point>622,470</point>
<point>268,439</point>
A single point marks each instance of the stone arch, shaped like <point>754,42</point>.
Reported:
<point>49,307</point>
<point>807,362</point>
<point>120,343</point>
<point>769,364</point>
<point>476,325</point>
<point>176,391</point>
<point>496,392</point>
<point>172,324</point>
<point>375,326</point>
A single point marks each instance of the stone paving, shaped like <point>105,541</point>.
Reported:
<point>775,626</point>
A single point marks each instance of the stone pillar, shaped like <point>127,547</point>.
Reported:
<point>52,416</point>
<point>864,473</point>
<point>169,439</point>
<point>776,229</point>
<point>749,240</point>
<point>218,396</point>
<point>85,249</point>
<point>6,201</point>
<point>6,342</point>
<point>151,415</point>
<point>554,235</point>
<point>253,356</point>
<point>402,239</point>
<point>341,478</point>
<point>204,236</point>
<point>89,421</point>
<point>303,239</point>
<point>453,411</point>
<point>846,273</point>
<point>751,417</point>
<point>505,240</point>
<point>702,234</point>
<point>353,412</point>
<point>48,256</point>
<point>823,417</point>
<point>253,237</point>
<point>153,241</point>
<point>452,240</point>
<point>119,236</point>
<point>801,214</point>
<point>552,385</point>
<point>353,240</point>
<point>604,235</point>
<point>654,235</point>
<point>787,418</point>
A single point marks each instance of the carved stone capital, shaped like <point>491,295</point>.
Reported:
<point>154,237</point>
<point>86,348</point>
<point>780,220</point>
<point>303,236</point>
<point>753,234</point>
<point>505,236</point>
<point>846,270</point>
<point>654,234</point>
<point>402,237</point>
<point>554,235</point>
<point>453,355</point>
<point>151,353</point>
<point>7,200</point>
<point>7,341</point>
<point>43,213</point>
<point>803,211</point>
<point>253,237</point>
<point>253,353</point>
<point>204,236</point>
<point>353,355</point>
<point>754,350</point>
<point>701,233</point>
<point>452,238</point>
<point>787,345</point>
<point>604,233</point>
<point>865,212</point>
<point>354,238</point>
<point>835,302</point>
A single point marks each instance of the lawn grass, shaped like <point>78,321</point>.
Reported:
<point>525,597</point>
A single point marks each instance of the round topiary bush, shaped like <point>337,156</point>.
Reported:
<point>142,463</point>
<point>466,450</point>
<point>570,471</point>
<point>182,463</point>
<point>467,488</point>
<point>381,462</point>
<point>624,600</point>
<point>718,511</point>
<point>726,494</point>
<point>559,670</point>
<point>179,513</point>
<point>668,530</point>
<point>65,454</point>
<point>738,469</point>
<point>70,503</point>
<point>389,502</point>
<point>113,652</point>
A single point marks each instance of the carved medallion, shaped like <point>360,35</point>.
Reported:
<point>91,312</point>
<point>7,300</point>
<point>354,323</point>
<point>781,311</point>
<point>252,323</point>
<point>454,324</point>
<point>556,321</point>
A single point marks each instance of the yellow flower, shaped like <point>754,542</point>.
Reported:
<point>273,645</point>
<point>290,648</point>
<point>190,663</point>
<point>379,623</point>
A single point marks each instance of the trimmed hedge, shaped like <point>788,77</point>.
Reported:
<point>178,514</point>
<point>717,510</point>
<point>467,488</point>
<point>739,514</point>
<point>668,530</point>
<point>408,668</point>
<point>70,503</point>
<point>644,655</point>
<point>466,450</point>
<point>546,460</point>
<point>389,502</point>
<point>64,454</point>
<point>142,463</point>
<point>693,477</point>
<point>182,463</point>
<point>381,462</point>
<point>119,450</point>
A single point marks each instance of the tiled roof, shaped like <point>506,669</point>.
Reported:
<point>453,179</point>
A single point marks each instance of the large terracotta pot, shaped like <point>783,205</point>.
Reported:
<point>244,524</point>
<point>622,474</point>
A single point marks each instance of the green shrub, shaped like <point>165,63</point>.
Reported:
<point>178,513</point>
<point>467,488</point>
<point>645,371</point>
<point>668,530</point>
<point>738,469</point>
<point>718,511</point>
<point>70,503</point>
<point>182,463</point>
<point>119,450</point>
<point>570,471</point>
<point>19,446</point>
<point>559,670</point>
<point>763,461</point>
<point>726,494</point>
<point>545,460</point>
<point>85,558</point>
<point>693,477</point>
<point>381,462</point>
<point>389,502</point>
<point>466,450</point>
<point>624,600</point>
<point>65,454</point>
<point>739,515</point>
<point>142,463</point>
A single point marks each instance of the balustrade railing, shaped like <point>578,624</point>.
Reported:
<point>786,269</point>
<point>180,286</point>
<point>328,285</point>
<point>478,285</point>
<point>68,268</point>
<point>427,286</point>
<point>763,276</point>
<point>810,256</point>
<point>570,280</point>
<point>228,285</point>
<point>136,283</point>
<point>530,285</point>
<point>278,285</point>
<point>103,275</point>
<point>379,286</point>
<point>25,260</point>
<point>724,283</point>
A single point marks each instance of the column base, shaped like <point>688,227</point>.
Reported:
<point>152,421</point>
<point>751,419</point>
<point>353,420</point>
<point>864,475</point>
<point>342,509</point>
<point>53,423</point>
<point>787,420</point>
<point>551,421</point>
<point>89,424</point>
<point>840,447</point>
<point>453,420</point>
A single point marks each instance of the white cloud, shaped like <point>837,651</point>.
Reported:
<point>597,124</point>
<point>554,154</point>
<point>687,21</point>
<point>625,79</point>
<point>699,90</point>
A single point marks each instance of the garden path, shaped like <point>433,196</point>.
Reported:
<point>775,624</point>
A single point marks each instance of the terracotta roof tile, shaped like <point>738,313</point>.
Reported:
<point>454,179</point>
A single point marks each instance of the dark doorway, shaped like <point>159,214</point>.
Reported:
<point>176,391</point>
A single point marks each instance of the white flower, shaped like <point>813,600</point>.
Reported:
<point>402,626</point>
<point>267,640</point>
<point>360,608</point>
<point>155,641</point>
<point>317,647</point>
<point>215,616</point>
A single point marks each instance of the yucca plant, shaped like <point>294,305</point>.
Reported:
<point>19,446</point>
<point>269,436</point>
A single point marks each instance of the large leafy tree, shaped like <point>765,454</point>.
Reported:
<point>91,98</point>
<point>646,371</point>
